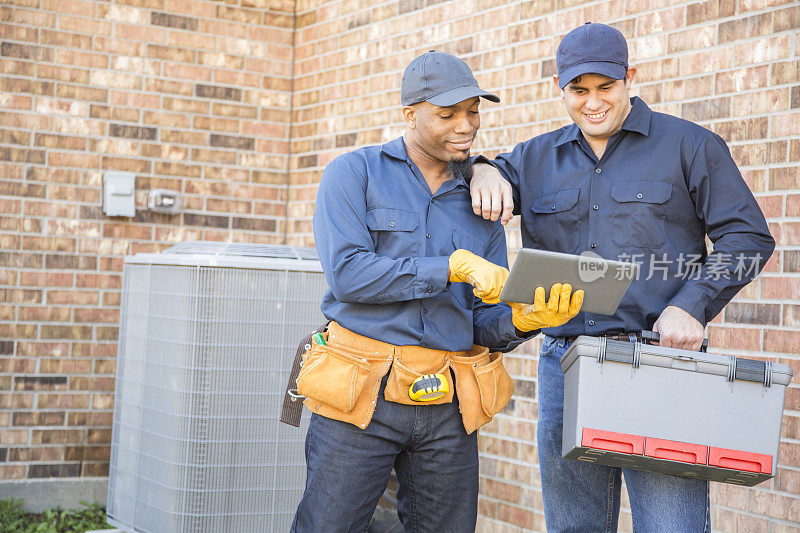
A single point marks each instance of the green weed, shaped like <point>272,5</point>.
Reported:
<point>14,519</point>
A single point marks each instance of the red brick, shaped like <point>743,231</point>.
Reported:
<point>17,366</point>
<point>66,332</point>
<point>94,469</point>
<point>13,436</point>
<point>43,349</point>
<point>515,515</point>
<point>13,32</point>
<point>776,505</point>
<point>62,401</point>
<point>781,341</point>
<point>16,401</point>
<point>91,384</point>
<point>768,49</point>
<point>46,279</point>
<point>47,453</point>
<point>124,231</point>
<point>12,471</point>
<point>44,314</point>
<point>100,281</point>
<point>720,338</point>
<point>65,366</point>
<point>742,79</point>
<point>784,178</point>
<point>84,25</point>
<point>94,350</point>
<point>98,436</point>
<point>190,7</point>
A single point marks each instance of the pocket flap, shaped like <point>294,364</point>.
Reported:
<point>462,240</point>
<point>333,377</point>
<point>651,192</point>
<point>388,219</point>
<point>559,201</point>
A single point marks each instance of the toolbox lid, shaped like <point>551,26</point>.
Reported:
<point>637,353</point>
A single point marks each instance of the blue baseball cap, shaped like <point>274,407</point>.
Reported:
<point>441,79</point>
<point>592,49</point>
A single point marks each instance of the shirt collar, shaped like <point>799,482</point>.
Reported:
<point>638,120</point>
<point>397,150</point>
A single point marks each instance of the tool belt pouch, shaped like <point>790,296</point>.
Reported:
<point>484,386</point>
<point>408,367</point>
<point>333,377</point>
<point>340,382</point>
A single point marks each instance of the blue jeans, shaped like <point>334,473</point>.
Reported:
<point>584,497</point>
<point>348,469</point>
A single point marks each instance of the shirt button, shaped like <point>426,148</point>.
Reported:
<point>391,224</point>
<point>553,207</point>
<point>424,310</point>
<point>598,170</point>
<point>593,245</point>
<point>595,207</point>
<point>591,322</point>
<point>427,235</point>
<point>430,289</point>
<point>639,196</point>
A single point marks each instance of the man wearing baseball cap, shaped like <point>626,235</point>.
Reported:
<point>631,184</point>
<point>404,376</point>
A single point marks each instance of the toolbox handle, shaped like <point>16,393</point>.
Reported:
<point>649,337</point>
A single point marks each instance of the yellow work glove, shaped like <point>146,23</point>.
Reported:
<point>557,311</point>
<point>487,279</point>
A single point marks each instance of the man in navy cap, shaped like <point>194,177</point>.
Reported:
<point>410,294</point>
<point>625,183</point>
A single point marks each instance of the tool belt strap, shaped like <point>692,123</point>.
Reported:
<point>292,407</point>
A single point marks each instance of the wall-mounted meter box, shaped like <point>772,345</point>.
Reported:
<point>118,193</point>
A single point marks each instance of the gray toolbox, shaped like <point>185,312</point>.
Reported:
<point>677,412</point>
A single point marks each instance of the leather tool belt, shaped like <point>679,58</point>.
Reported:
<point>342,379</point>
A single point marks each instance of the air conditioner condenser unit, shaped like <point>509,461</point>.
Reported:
<point>208,332</point>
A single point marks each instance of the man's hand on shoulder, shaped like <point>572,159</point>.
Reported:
<point>679,329</point>
<point>491,194</point>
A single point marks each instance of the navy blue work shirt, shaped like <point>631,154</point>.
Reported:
<point>661,186</point>
<point>384,242</point>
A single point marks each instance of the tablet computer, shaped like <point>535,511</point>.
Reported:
<point>603,281</point>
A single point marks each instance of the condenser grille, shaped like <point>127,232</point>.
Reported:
<point>203,359</point>
<point>244,250</point>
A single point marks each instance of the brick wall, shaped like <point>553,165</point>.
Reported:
<point>229,105</point>
<point>189,95</point>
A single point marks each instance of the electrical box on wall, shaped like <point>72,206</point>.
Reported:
<point>118,193</point>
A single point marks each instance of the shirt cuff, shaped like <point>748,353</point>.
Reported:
<point>478,159</point>
<point>508,333</point>
<point>432,275</point>
<point>691,304</point>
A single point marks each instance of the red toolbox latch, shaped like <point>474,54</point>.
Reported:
<point>676,451</point>
<point>739,460</point>
<point>612,441</point>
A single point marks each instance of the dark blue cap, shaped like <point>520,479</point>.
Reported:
<point>441,79</point>
<point>592,49</point>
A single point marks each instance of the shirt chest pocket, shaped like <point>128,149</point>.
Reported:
<point>554,221</point>
<point>392,231</point>
<point>639,213</point>
<point>462,292</point>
